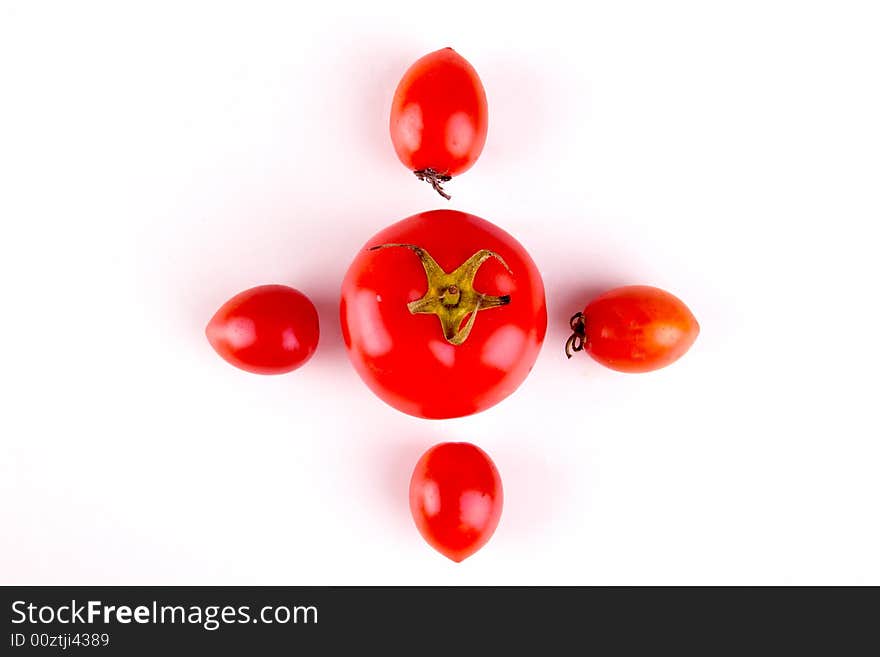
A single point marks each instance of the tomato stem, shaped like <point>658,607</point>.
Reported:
<point>435,178</point>
<point>578,336</point>
<point>451,295</point>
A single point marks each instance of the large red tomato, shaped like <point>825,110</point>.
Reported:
<point>439,117</point>
<point>443,314</point>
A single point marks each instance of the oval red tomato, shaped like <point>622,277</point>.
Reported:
<point>455,497</point>
<point>439,117</point>
<point>443,314</point>
<point>636,328</point>
<point>270,329</point>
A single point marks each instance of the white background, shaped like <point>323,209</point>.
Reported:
<point>156,158</point>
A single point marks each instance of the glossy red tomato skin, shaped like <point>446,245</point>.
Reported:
<point>403,357</point>
<point>456,498</point>
<point>439,115</point>
<point>638,328</point>
<point>269,329</point>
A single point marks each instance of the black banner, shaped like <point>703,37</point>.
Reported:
<point>418,620</point>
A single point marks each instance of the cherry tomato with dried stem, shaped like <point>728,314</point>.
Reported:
<point>269,329</point>
<point>455,497</point>
<point>636,328</point>
<point>439,117</point>
<point>443,314</point>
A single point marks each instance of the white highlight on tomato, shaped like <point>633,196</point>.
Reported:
<point>502,349</point>
<point>289,340</point>
<point>241,332</point>
<point>443,352</point>
<point>475,508</point>
<point>431,498</point>
<point>411,126</point>
<point>376,340</point>
<point>459,134</point>
<point>667,335</point>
